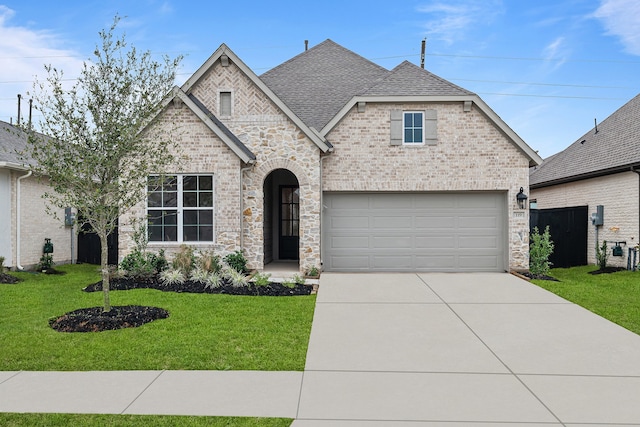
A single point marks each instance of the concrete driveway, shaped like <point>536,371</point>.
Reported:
<point>462,349</point>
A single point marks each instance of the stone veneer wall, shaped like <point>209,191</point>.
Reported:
<point>277,143</point>
<point>618,194</point>
<point>471,155</point>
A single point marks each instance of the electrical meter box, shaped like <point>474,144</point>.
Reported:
<point>69,217</point>
<point>598,217</point>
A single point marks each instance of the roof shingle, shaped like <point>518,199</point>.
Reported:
<point>615,146</point>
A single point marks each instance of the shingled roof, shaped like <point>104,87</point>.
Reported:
<point>12,141</point>
<point>408,79</point>
<point>317,83</point>
<point>615,147</point>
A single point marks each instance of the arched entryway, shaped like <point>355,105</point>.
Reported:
<point>281,228</point>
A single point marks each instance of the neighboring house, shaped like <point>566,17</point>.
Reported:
<point>600,168</point>
<point>331,160</point>
<point>24,220</point>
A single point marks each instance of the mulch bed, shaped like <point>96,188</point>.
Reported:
<point>272,289</point>
<point>8,279</point>
<point>539,276</point>
<point>608,270</point>
<point>94,319</point>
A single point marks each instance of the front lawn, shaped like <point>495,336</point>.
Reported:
<point>614,296</point>
<point>203,331</point>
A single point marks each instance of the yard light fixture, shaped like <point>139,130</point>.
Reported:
<point>521,198</point>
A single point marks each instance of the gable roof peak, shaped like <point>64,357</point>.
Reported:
<point>408,79</point>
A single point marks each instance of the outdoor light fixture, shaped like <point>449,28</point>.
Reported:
<point>521,198</point>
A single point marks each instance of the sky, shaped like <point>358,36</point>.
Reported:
<point>548,68</point>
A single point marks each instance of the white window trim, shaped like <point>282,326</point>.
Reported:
<point>413,144</point>
<point>179,220</point>
<point>230,92</point>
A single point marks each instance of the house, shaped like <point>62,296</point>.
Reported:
<point>602,167</point>
<point>24,220</point>
<point>330,160</point>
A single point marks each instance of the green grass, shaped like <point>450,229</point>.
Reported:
<point>203,331</point>
<point>55,420</point>
<point>614,296</point>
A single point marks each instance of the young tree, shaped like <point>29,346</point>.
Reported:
<point>99,148</point>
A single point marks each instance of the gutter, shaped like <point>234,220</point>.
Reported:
<point>588,175</point>
<point>18,215</point>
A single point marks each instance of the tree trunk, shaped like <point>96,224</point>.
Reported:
<point>104,268</point>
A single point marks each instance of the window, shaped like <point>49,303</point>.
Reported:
<point>413,128</point>
<point>413,125</point>
<point>225,103</point>
<point>180,208</point>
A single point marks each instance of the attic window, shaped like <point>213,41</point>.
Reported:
<point>225,103</point>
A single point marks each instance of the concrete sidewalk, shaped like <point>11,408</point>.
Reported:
<point>405,350</point>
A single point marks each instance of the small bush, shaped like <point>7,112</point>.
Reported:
<point>237,278</point>
<point>213,280</point>
<point>602,255</point>
<point>210,262</point>
<point>237,261</point>
<point>261,279</point>
<point>138,264</point>
<point>185,260</point>
<point>1,265</point>
<point>199,275</point>
<point>172,277</point>
<point>46,262</point>
<point>313,271</point>
<point>539,251</point>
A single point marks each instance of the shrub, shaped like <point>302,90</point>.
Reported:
<point>185,260</point>
<point>172,277</point>
<point>213,280</point>
<point>313,271</point>
<point>199,275</point>
<point>46,262</point>
<point>237,261</point>
<point>539,251</point>
<point>138,264</point>
<point>261,279</point>
<point>237,278</point>
<point>289,283</point>
<point>209,262</point>
<point>1,264</point>
<point>602,255</point>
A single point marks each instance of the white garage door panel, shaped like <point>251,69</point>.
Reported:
<point>414,232</point>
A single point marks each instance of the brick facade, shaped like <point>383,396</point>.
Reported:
<point>471,155</point>
<point>37,224</point>
<point>277,143</point>
<point>619,194</point>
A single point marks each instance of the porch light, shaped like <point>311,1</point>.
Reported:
<point>521,198</point>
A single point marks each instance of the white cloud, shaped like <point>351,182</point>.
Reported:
<point>449,21</point>
<point>621,18</point>
<point>24,52</point>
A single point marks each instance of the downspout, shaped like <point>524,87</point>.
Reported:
<point>638,172</point>
<point>18,214</point>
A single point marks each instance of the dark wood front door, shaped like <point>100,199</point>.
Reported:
<point>289,221</point>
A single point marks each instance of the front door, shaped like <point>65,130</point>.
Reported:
<point>289,221</point>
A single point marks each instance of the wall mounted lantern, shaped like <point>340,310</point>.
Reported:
<point>521,198</point>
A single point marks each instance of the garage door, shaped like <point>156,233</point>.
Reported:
<point>414,231</point>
